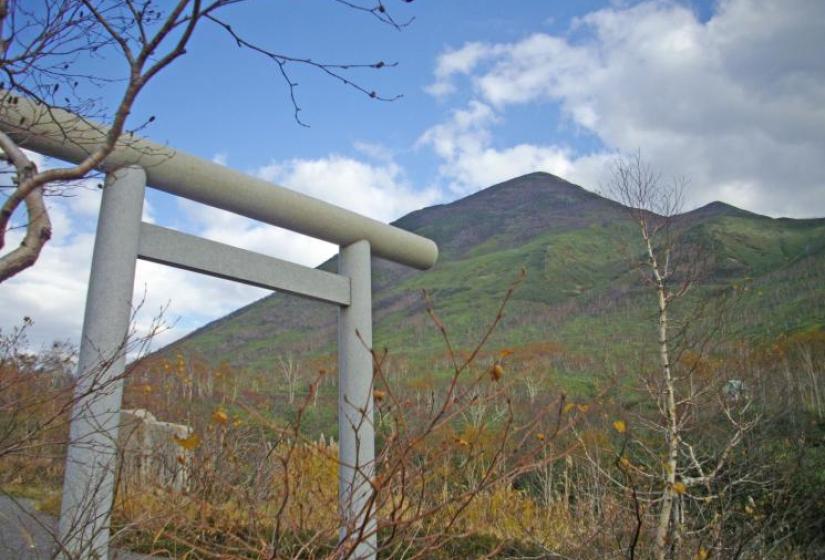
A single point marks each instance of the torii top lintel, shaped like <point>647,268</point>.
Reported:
<point>64,135</point>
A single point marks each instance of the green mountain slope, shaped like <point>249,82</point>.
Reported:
<point>580,289</point>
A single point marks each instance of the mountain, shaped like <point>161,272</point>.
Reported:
<point>580,292</point>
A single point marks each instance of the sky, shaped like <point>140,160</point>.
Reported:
<point>729,94</point>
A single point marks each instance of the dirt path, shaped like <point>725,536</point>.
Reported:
<point>26,534</point>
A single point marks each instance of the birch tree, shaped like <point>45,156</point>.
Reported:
<point>670,269</point>
<point>291,372</point>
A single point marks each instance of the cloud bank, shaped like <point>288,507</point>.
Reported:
<point>736,103</point>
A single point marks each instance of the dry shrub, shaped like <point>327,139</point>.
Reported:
<point>444,471</point>
<point>35,397</point>
<point>506,513</point>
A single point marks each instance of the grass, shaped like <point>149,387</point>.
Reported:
<point>46,498</point>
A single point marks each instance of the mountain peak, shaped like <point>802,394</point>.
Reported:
<point>540,175</point>
<point>537,191</point>
<point>536,179</point>
<point>511,212</point>
<point>717,208</point>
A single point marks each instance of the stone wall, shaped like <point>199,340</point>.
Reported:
<point>149,454</point>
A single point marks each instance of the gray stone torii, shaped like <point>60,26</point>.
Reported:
<point>122,239</point>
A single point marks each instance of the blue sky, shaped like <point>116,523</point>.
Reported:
<point>223,85</point>
<point>729,94</point>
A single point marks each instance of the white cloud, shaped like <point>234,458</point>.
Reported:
<point>458,61</point>
<point>471,162</point>
<point>52,292</point>
<point>375,151</point>
<point>85,199</point>
<point>468,130</point>
<point>378,191</point>
<point>735,100</point>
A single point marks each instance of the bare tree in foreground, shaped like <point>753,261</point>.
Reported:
<point>682,476</point>
<point>46,50</point>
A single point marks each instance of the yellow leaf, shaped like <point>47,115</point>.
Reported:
<point>568,407</point>
<point>504,353</point>
<point>540,437</point>
<point>496,372</point>
<point>702,554</point>
<point>620,426</point>
<point>462,442</point>
<point>625,462</point>
<point>190,442</point>
<point>583,407</point>
<point>679,487</point>
<point>220,416</point>
<point>378,394</point>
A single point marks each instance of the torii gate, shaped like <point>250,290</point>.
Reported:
<point>122,238</point>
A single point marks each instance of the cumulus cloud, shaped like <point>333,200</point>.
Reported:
<point>52,292</point>
<point>734,102</point>
<point>471,162</point>
<point>374,151</point>
<point>378,191</point>
<point>457,61</point>
<point>467,130</point>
